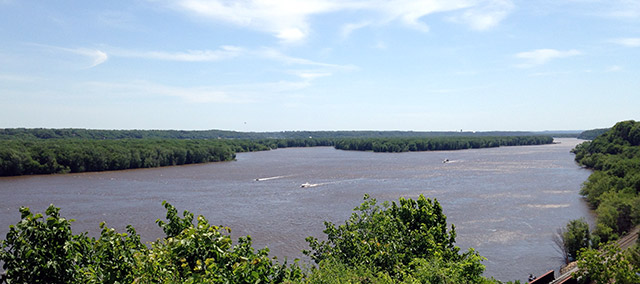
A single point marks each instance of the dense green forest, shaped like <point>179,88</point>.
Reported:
<point>46,133</point>
<point>407,241</point>
<point>592,134</point>
<point>613,190</point>
<point>614,186</point>
<point>437,144</point>
<point>47,156</point>
<point>73,155</point>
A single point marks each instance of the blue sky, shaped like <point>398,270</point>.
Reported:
<point>259,65</point>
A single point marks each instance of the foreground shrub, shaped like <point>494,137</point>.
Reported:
<point>406,240</point>
<point>46,251</point>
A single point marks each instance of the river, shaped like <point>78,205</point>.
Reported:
<point>505,202</point>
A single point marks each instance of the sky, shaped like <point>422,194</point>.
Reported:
<point>260,65</point>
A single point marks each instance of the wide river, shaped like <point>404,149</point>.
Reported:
<point>505,202</point>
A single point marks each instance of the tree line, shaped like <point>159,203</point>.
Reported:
<point>51,156</point>
<point>614,186</point>
<point>408,241</point>
<point>78,133</point>
<point>592,134</point>
<point>613,190</point>
<point>437,144</point>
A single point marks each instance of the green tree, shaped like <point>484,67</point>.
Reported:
<point>398,239</point>
<point>607,265</point>
<point>572,238</point>
<point>41,251</point>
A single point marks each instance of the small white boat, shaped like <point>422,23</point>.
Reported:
<point>306,184</point>
<point>445,161</point>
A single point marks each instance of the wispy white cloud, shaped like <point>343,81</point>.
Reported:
<point>288,20</point>
<point>542,56</point>
<point>630,41</point>
<point>310,74</point>
<point>274,54</point>
<point>95,56</point>
<point>225,52</point>
<point>347,29</point>
<point>98,57</point>
<point>483,17</point>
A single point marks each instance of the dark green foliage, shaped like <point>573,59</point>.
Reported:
<point>575,237</point>
<point>76,133</point>
<point>437,144</point>
<point>613,189</point>
<point>19,157</point>
<point>592,134</point>
<point>49,156</point>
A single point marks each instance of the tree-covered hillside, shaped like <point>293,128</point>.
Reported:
<point>592,134</point>
<point>614,187</point>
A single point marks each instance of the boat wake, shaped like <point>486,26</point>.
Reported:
<point>306,184</point>
<point>270,178</point>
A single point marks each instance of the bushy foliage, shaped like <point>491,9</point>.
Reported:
<point>607,265</point>
<point>204,253</point>
<point>46,251</point>
<point>614,188</point>
<point>404,240</point>
<point>573,237</point>
<point>41,251</point>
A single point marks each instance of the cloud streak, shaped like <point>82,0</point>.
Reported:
<point>288,20</point>
<point>542,56</point>
<point>96,56</point>
<point>483,17</point>
<point>225,52</point>
<point>629,42</point>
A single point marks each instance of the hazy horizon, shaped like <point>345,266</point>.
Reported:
<point>305,130</point>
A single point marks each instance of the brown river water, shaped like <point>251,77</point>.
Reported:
<point>505,202</point>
